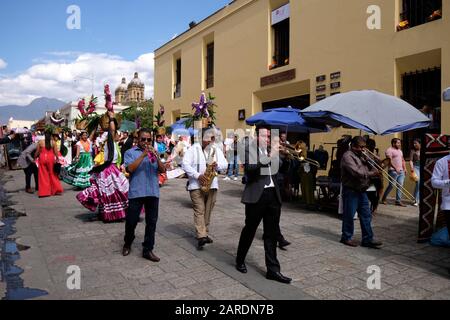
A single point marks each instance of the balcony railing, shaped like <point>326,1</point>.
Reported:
<point>417,12</point>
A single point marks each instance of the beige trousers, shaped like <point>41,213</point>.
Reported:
<point>203,206</point>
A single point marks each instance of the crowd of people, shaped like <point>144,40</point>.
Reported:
<point>119,175</point>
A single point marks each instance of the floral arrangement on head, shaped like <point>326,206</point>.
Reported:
<point>108,98</point>
<point>50,128</point>
<point>201,108</point>
<point>204,109</point>
<point>86,111</point>
<point>56,118</point>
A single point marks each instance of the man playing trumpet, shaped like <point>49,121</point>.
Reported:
<point>143,164</point>
<point>198,160</point>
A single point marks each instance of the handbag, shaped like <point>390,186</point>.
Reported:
<point>413,176</point>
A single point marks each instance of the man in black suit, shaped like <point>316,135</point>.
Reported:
<point>8,139</point>
<point>262,201</point>
<point>125,144</point>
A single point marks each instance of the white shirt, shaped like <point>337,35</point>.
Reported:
<point>441,180</point>
<point>271,184</point>
<point>194,164</point>
<point>116,153</point>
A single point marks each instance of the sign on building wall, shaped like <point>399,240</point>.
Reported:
<point>280,14</point>
<point>278,77</point>
<point>241,115</point>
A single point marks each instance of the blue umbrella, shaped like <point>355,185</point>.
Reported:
<point>128,126</point>
<point>179,128</point>
<point>288,119</point>
<point>368,110</point>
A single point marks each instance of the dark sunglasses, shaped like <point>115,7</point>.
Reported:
<point>146,139</point>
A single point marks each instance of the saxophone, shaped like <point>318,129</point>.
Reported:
<point>210,172</point>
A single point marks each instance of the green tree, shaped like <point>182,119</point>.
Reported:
<point>143,110</point>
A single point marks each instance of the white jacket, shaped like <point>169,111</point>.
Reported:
<point>441,180</point>
<point>194,164</point>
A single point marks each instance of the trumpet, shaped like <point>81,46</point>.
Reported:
<point>373,161</point>
<point>152,154</point>
<point>295,153</point>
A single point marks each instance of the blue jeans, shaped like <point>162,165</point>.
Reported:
<point>400,178</point>
<point>233,165</point>
<point>356,201</point>
<point>417,188</point>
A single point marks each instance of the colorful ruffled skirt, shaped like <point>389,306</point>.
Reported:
<point>77,174</point>
<point>108,192</point>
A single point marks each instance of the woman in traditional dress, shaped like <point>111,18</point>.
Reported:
<point>47,155</point>
<point>109,186</point>
<point>77,174</point>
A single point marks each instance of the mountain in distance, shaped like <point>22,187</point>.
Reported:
<point>34,111</point>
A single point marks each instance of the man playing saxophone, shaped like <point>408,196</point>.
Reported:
<point>201,162</point>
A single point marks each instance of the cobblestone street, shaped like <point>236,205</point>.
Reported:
<point>60,232</point>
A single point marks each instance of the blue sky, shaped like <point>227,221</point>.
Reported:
<point>34,32</point>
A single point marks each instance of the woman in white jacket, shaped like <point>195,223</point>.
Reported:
<point>441,180</point>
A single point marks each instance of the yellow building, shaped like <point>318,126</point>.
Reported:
<point>258,54</point>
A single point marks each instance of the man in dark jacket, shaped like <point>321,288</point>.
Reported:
<point>262,201</point>
<point>8,139</point>
<point>125,144</point>
<point>355,181</point>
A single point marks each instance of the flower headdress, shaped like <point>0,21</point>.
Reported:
<point>90,108</point>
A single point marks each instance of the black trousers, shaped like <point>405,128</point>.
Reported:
<point>32,169</point>
<point>151,205</point>
<point>267,209</point>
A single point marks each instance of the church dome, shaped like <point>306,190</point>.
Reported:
<point>136,82</point>
<point>122,86</point>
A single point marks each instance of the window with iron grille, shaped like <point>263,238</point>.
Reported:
<point>281,44</point>
<point>210,65</point>
<point>177,91</point>
<point>420,88</point>
<point>417,12</point>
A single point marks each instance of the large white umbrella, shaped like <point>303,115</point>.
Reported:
<point>368,110</point>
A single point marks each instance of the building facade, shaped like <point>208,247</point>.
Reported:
<point>134,92</point>
<point>259,54</point>
<point>70,112</point>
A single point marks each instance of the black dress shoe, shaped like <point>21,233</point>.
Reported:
<point>349,243</point>
<point>283,243</point>
<point>126,250</point>
<point>149,255</point>
<point>373,244</point>
<point>277,276</point>
<point>241,267</point>
<point>201,243</point>
<point>209,240</point>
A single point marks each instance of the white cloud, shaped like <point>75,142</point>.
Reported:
<point>66,80</point>
<point>3,64</point>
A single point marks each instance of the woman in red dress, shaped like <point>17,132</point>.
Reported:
<point>47,154</point>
